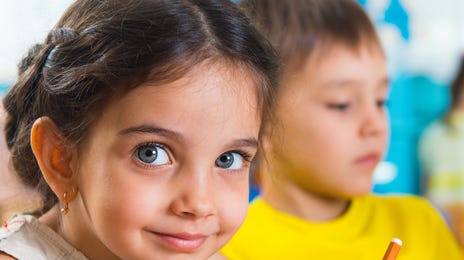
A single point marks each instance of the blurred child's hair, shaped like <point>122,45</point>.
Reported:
<point>101,49</point>
<point>456,92</point>
<point>298,27</point>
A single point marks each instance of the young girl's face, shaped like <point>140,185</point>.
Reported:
<point>164,173</point>
<point>333,122</point>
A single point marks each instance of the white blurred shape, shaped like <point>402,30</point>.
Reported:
<point>385,173</point>
<point>377,8</point>
<point>22,24</point>
<point>437,40</point>
<point>393,45</point>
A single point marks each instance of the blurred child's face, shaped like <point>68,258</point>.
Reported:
<point>164,174</point>
<point>332,122</point>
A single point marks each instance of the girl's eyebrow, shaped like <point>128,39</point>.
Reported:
<point>247,142</point>
<point>151,129</point>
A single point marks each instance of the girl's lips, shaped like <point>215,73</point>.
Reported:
<point>184,242</point>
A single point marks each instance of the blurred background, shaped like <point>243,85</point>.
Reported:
<point>22,24</point>
<point>423,40</point>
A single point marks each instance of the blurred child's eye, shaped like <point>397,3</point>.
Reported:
<point>338,106</point>
<point>382,103</point>
<point>230,160</point>
<point>153,154</point>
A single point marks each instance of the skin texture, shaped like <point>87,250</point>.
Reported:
<point>331,133</point>
<point>180,206</point>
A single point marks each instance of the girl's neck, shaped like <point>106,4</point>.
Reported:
<point>51,218</point>
<point>288,197</point>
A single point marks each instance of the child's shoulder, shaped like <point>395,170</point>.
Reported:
<point>405,216</point>
<point>13,225</point>
<point>416,221</point>
<point>398,199</point>
<point>25,237</point>
<point>402,204</point>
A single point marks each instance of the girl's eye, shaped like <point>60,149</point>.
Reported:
<point>230,160</point>
<point>338,106</point>
<point>152,154</point>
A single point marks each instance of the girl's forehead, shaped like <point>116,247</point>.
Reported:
<point>207,108</point>
<point>207,75</point>
<point>215,83</point>
<point>211,94</point>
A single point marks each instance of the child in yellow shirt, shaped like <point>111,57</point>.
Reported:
<point>330,133</point>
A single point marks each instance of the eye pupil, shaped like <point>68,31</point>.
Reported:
<point>225,160</point>
<point>147,154</point>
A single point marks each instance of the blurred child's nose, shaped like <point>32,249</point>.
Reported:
<point>373,121</point>
<point>195,196</point>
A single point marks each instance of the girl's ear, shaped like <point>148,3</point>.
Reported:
<point>55,157</point>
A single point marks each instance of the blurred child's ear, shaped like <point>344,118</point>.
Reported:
<point>54,157</point>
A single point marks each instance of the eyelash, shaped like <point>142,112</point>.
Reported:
<point>343,106</point>
<point>152,143</point>
<point>338,106</point>
<point>245,155</point>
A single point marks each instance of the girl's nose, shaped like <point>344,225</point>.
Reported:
<point>195,199</point>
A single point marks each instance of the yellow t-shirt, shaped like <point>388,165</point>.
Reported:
<point>363,232</point>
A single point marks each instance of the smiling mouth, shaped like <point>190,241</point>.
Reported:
<point>182,242</point>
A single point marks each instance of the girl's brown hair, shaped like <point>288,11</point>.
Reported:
<point>103,48</point>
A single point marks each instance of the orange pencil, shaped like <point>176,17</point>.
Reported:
<point>393,249</point>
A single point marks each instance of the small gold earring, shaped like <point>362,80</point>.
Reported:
<point>65,208</point>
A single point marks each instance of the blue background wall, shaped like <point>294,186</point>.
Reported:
<point>415,100</point>
<point>3,89</point>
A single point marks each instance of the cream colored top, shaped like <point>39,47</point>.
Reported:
<point>24,237</point>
